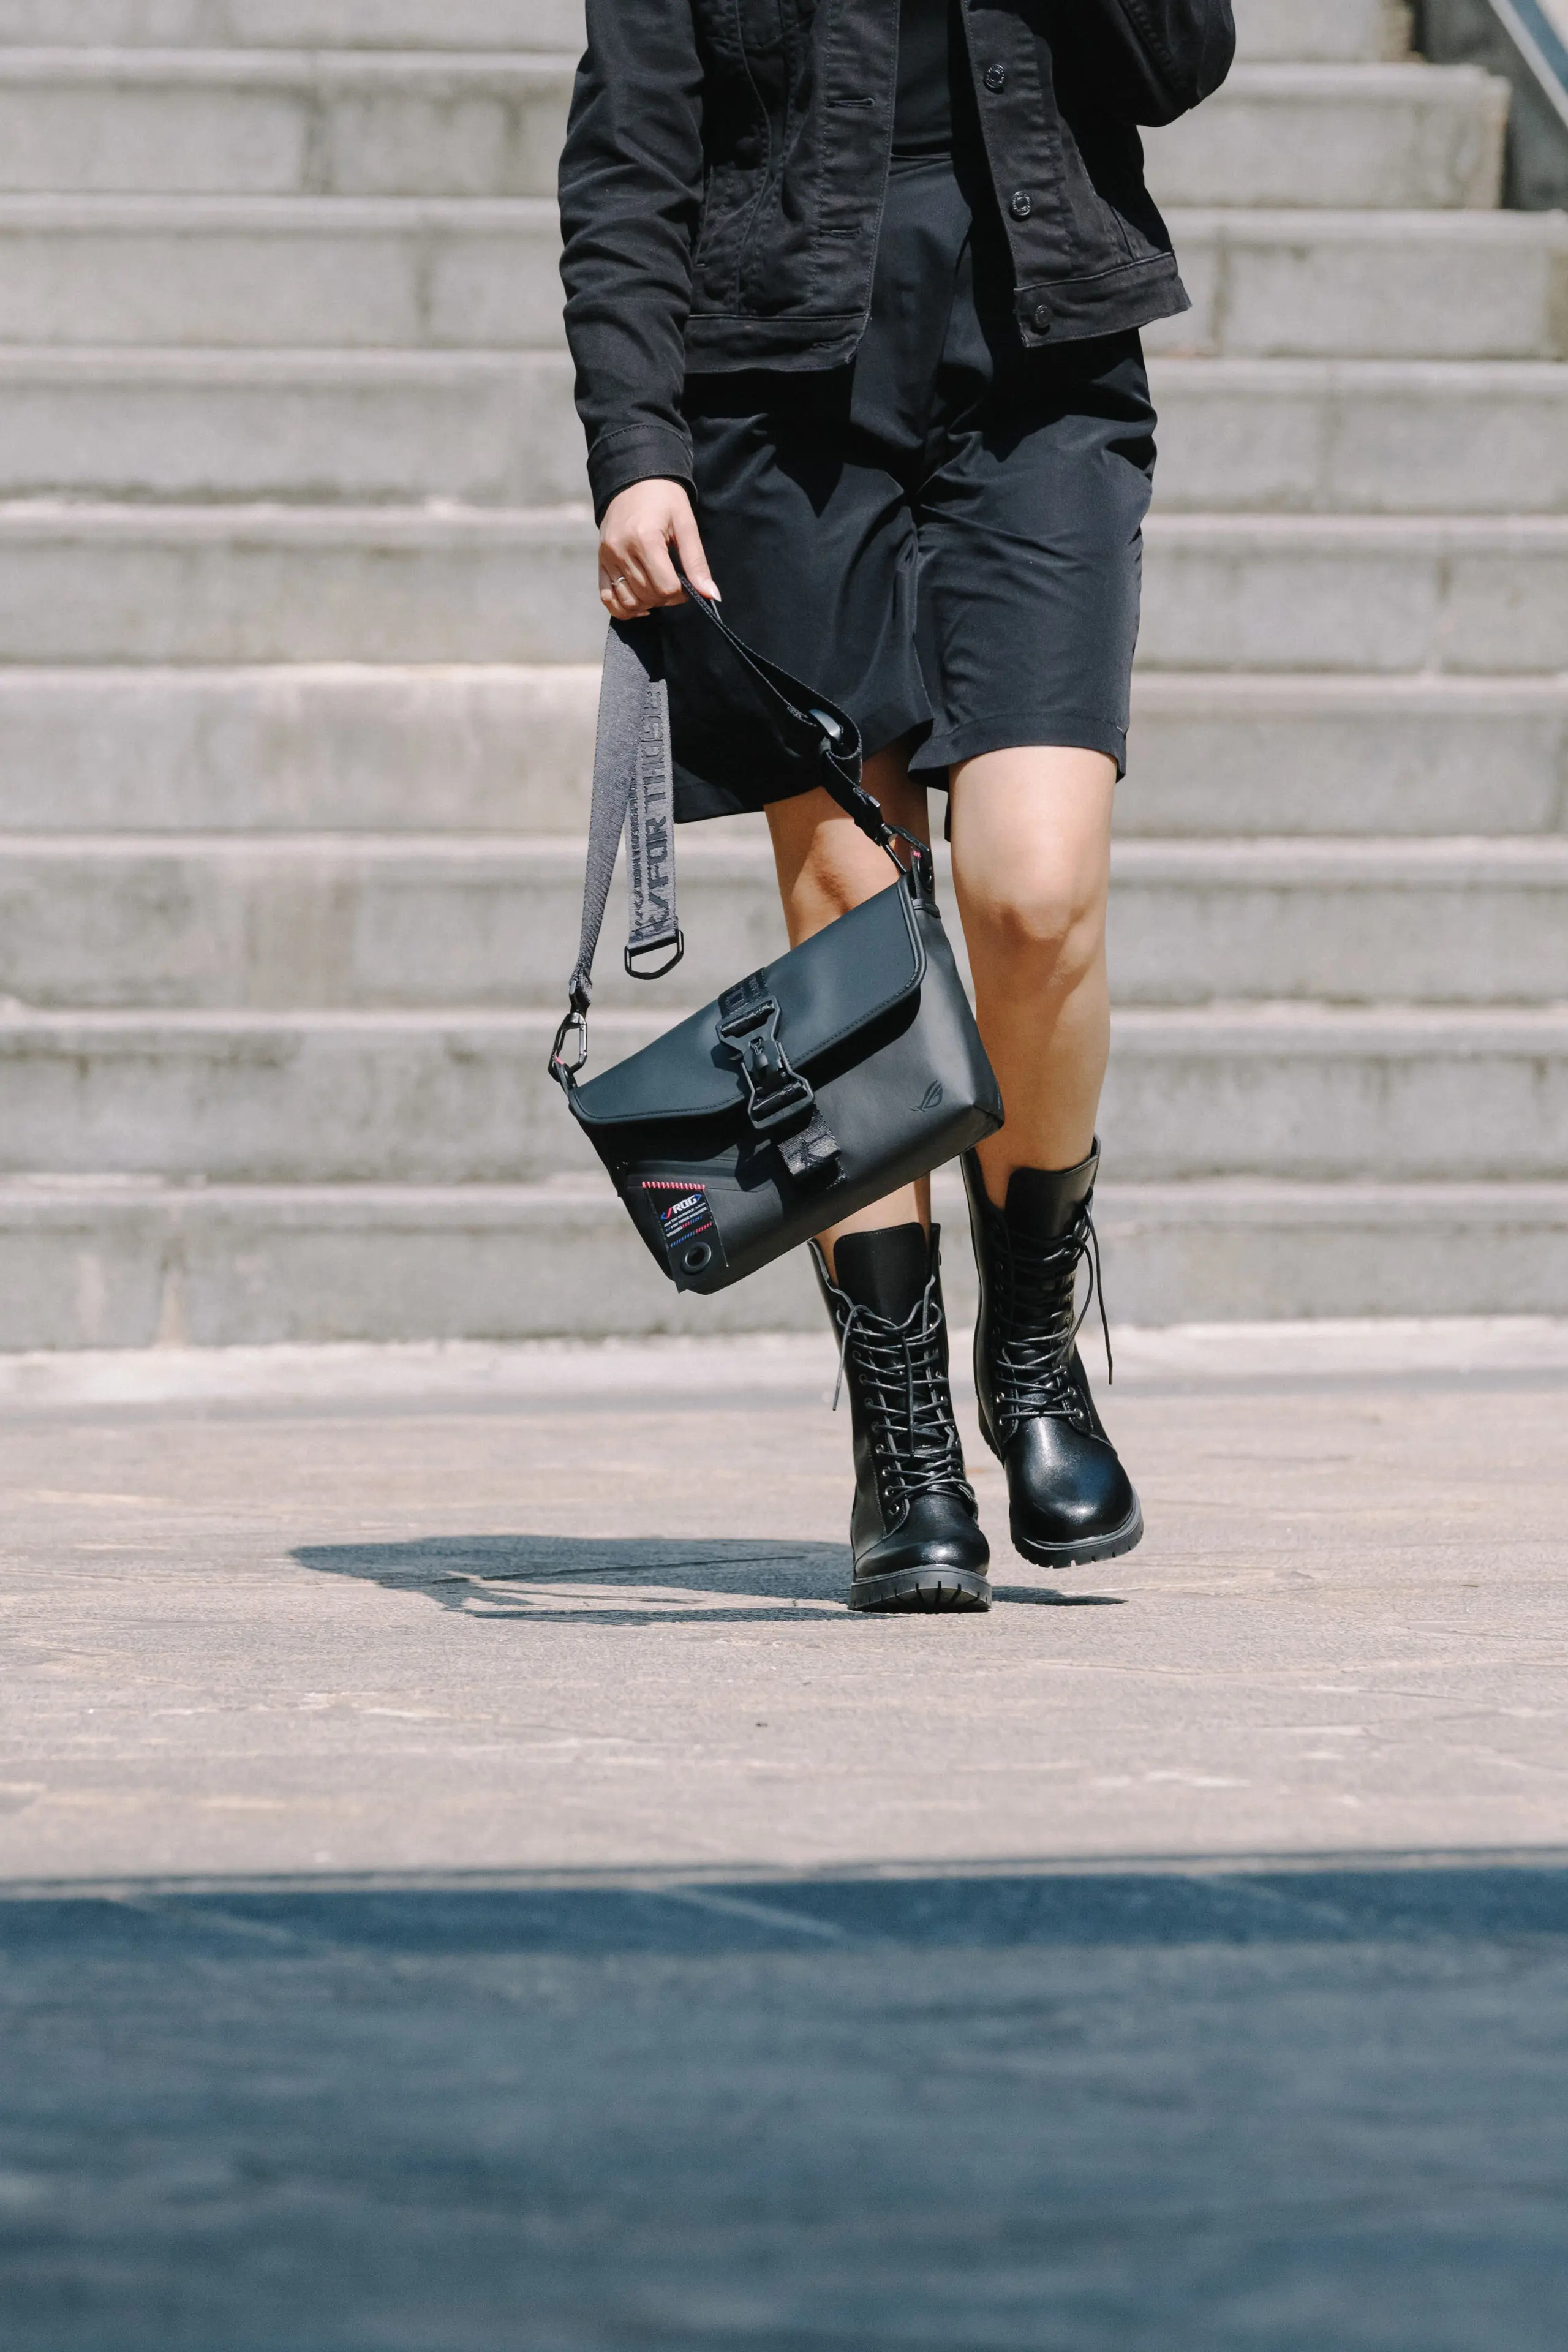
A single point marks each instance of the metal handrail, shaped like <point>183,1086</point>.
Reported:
<point>1539,31</point>
<point>1526,42</point>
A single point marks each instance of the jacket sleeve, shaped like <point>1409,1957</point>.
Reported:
<point>631,186</point>
<point>1162,56</point>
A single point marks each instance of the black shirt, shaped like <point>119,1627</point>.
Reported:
<point>929,32</point>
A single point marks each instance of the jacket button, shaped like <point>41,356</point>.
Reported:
<point>1022,205</point>
<point>996,76</point>
<point>1043,318</point>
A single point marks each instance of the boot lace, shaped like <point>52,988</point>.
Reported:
<point>897,1369</point>
<point>1035,1322</point>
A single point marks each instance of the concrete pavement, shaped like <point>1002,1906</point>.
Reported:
<point>468,1881</point>
<point>601,1625</point>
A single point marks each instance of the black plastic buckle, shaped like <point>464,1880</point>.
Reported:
<point>776,1091</point>
<point>676,939</point>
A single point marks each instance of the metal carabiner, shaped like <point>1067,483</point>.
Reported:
<point>561,1070</point>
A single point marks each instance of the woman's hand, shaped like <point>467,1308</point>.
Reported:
<point>640,526</point>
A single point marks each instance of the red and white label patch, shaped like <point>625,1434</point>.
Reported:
<point>684,1214</point>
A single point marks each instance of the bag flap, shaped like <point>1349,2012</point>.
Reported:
<point>834,984</point>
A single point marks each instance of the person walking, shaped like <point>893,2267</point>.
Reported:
<point>853,290</point>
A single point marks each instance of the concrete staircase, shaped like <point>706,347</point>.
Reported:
<point>297,671</point>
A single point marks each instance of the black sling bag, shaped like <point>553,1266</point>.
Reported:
<point>840,1071</point>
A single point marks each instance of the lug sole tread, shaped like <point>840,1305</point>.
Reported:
<point>909,1591</point>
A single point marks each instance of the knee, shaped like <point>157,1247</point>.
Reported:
<point>1046,923</point>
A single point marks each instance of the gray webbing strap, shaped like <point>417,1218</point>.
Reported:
<point>634,793</point>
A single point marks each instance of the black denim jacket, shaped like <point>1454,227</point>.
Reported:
<point>722,183</point>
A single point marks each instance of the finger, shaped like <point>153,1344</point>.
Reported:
<point>622,592</point>
<point>618,591</point>
<point>622,601</point>
<point>656,573</point>
<point>645,573</point>
<point>693,562</point>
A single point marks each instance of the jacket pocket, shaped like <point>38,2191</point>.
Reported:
<point>728,201</point>
<point>1118,219</point>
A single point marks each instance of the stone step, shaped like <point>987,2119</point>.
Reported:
<point>109,583</point>
<point>1386,593</point>
<point>249,272</point>
<point>363,123</point>
<point>1478,921</point>
<point>486,428</point>
<point>1215,754</point>
<point>1338,30</point>
<point>378,272</point>
<point>129,1265</point>
<point>498,428</point>
<point>1398,137</point>
<point>507,749</point>
<point>1366,285</point>
<point>1291,1090</point>
<point>472,749</point>
<point>296,122</point>
<point>1333,31</point>
<point>302,921</point>
<point>376,922</point>
<point>306,24</point>
<point>1360,436</point>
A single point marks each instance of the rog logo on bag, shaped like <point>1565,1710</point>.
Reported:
<point>932,1096</point>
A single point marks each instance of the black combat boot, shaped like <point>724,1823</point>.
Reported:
<point>914,1529</point>
<point>1070,1498</point>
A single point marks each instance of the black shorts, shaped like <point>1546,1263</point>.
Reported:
<point>945,536</point>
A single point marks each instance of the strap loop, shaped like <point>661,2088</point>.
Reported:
<point>635,948</point>
<point>812,1155</point>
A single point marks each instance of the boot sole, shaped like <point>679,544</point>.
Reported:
<point>1126,1537</point>
<point>908,1591</point>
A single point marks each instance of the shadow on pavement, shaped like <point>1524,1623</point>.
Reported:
<point>641,1579</point>
<point>1047,1597</point>
<point>638,1580</point>
<point>1318,2109</point>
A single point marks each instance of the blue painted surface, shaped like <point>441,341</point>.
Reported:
<point>1314,2110</point>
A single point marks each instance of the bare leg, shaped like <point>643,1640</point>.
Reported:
<point>1031,853</point>
<point>826,865</point>
<point>1031,863</point>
